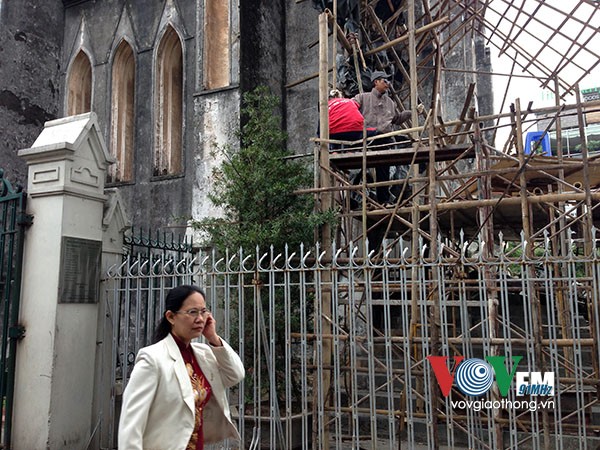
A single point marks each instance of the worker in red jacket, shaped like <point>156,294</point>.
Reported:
<point>345,120</point>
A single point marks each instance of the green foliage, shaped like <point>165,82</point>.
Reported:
<point>592,146</point>
<point>514,251</point>
<point>255,186</point>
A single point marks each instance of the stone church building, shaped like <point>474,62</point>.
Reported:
<point>165,78</point>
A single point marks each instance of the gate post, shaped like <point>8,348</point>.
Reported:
<point>54,383</point>
<point>105,413</point>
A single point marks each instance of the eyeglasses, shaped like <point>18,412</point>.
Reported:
<point>195,312</point>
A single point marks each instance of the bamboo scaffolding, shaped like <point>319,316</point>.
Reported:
<point>483,190</point>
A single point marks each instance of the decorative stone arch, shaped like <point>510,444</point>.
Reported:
<point>79,85</point>
<point>122,113</point>
<point>168,110</point>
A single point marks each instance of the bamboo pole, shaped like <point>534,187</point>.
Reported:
<point>321,437</point>
<point>407,37</point>
<point>518,342</point>
<point>564,318</point>
<point>592,105</point>
<point>586,168</point>
<point>467,204</point>
<point>588,237</point>
<point>536,310</point>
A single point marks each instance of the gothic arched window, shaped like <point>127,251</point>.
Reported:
<point>79,90</point>
<point>122,113</point>
<point>216,44</point>
<point>168,113</point>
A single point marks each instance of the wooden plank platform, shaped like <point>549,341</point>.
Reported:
<point>352,159</point>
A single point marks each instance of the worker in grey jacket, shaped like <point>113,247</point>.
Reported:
<point>378,109</point>
<point>381,112</point>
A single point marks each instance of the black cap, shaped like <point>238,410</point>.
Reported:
<point>379,74</point>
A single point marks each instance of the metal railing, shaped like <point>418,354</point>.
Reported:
<point>13,221</point>
<point>337,347</point>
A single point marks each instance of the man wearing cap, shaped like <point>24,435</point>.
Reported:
<point>378,109</point>
<point>381,112</point>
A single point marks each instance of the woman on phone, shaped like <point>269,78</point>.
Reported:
<point>175,398</point>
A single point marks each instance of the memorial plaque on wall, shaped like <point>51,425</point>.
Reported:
<point>79,270</point>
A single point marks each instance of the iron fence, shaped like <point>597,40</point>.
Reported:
<point>13,221</point>
<point>340,350</point>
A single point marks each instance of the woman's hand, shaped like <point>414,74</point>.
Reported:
<point>210,331</point>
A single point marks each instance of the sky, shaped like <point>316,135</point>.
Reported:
<point>550,37</point>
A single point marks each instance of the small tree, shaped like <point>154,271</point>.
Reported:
<point>255,186</point>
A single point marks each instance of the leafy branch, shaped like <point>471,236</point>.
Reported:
<point>255,186</point>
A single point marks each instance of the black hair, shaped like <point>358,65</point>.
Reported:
<point>173,302</point>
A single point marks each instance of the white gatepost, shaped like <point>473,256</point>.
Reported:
<point>54,380</point>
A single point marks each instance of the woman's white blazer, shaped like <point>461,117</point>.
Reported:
<point>158,402</point>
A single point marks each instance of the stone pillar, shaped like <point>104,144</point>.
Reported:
<point>54,382</point>
<point>105,409</point>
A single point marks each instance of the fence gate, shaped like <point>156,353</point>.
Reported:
<point>135,290</point>
<point>13,221</point>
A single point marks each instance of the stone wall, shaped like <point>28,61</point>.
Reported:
<point>302,60</point>
<point>272,42</point>
<point>30,85</point>
<point>98,27</point>
<point>39,41</point>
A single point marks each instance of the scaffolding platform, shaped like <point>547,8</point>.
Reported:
<point>353,159</point>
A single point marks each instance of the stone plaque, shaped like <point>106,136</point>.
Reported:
<point>79,270</point>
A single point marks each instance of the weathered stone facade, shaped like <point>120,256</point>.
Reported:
<point>30,82</point>
<point>270,42</point>
<point>38,42</point>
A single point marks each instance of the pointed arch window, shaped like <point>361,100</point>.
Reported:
<point>79,98</point>
<point>169,106</point>
<point>216,44</point>
<point>122,113</point>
